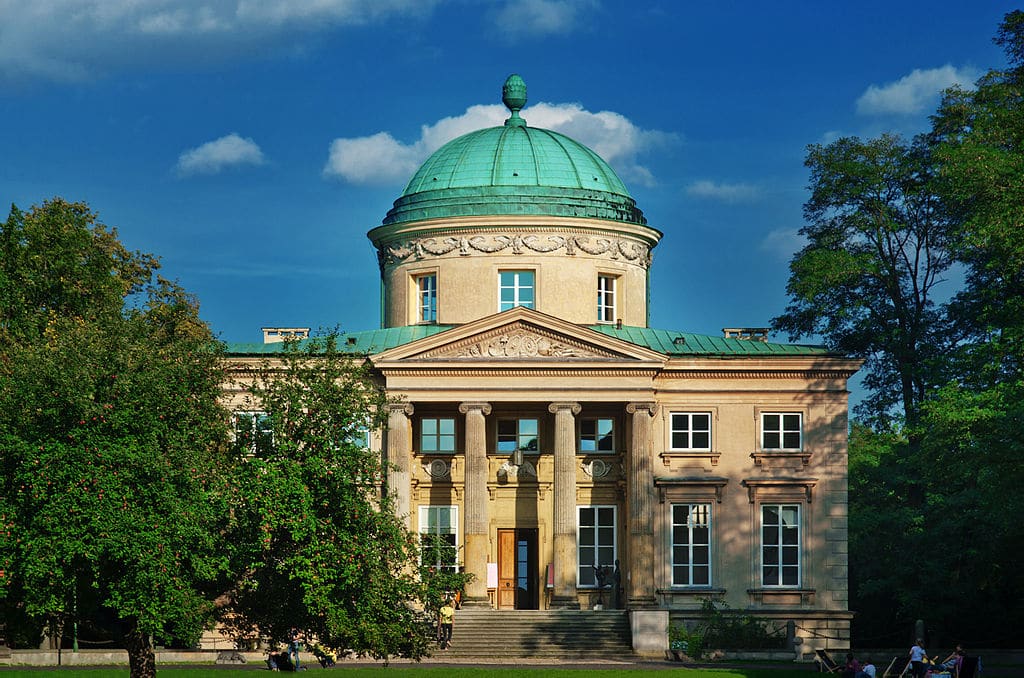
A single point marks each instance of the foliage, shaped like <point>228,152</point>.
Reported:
<point>317,546</point>
<point>112,436</point>
<point>876,251</point>
<point>722,628</point>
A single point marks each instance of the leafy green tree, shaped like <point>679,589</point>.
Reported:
<point>319,548</point>
<point>113,442</point>
<point>866,280</point>
<point>979,137</point>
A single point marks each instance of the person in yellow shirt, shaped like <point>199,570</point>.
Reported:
<point>445,620</point>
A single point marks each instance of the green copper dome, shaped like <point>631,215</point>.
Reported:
<point>515,169</point>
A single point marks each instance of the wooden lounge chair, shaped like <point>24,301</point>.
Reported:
<point>892,670</point>
<point>826,664</point>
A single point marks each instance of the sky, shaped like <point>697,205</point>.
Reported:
<point>251,144</point>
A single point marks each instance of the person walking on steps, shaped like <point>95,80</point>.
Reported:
<point>445,620</point>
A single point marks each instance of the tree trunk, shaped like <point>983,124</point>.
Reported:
<point>141,659</point>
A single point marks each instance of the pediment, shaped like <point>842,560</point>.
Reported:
<point>520,335</point>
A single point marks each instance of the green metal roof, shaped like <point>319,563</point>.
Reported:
<point>357,343</point>
<point>515,169</point>
<point>666,342</point>
<point>685,343</point>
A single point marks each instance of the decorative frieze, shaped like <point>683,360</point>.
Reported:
<point>514,243</point>
<point>517,341</point>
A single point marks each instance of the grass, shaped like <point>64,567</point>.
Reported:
<point>409,671</point>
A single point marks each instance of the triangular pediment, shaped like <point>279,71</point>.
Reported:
<point>520,335</point>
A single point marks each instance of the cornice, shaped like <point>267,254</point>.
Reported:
<point>501,370</point>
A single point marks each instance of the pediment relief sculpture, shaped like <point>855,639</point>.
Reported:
<point>518,342</point>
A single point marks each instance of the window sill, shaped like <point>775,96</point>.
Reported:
<point>669,455</point>
<point>782,596</point>
<point>781,455</point>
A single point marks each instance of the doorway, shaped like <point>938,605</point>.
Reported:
<point>517,569</point>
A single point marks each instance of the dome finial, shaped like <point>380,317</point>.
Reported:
<point>513,95</point>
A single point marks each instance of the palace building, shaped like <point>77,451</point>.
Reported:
<point>556,441</point>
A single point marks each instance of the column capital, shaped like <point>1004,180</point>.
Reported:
<point>555,408</point>
<point>466,408</point>
<point>400,408</point>
<point>650,408</point>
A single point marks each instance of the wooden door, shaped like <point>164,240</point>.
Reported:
<point>506,569</point>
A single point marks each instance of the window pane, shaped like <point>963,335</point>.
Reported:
<point>587,515</point>
<point>606,515</point>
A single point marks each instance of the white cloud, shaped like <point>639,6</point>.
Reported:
<point>218,155</point>
<point>69,40</point>
<point>783,243</point>
<point>913,93</point>
<point>535,18</point>
<point>380,158</point>
<point>731,193</point>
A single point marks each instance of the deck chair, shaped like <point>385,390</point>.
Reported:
<point>826,664</point>
<point>892,671</point>
<point>968,667</point>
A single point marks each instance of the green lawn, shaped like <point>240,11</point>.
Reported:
<point>410,671</point>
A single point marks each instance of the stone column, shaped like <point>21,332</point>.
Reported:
<point>564,501</point>
<point>399,458</point>
<point>475,502</point>
<point>640,488</point>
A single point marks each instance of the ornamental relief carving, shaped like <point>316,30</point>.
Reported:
<point>517,342</point>
<point>421,248</point>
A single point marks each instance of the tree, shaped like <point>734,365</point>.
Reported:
<point>318,546</point>
<point>113,441</point>
<point>866,280</point>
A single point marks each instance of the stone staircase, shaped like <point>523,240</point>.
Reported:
<point>540,633</point>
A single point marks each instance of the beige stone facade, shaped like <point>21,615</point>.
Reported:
<point>542,428</point>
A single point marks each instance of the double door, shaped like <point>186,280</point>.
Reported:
<point>518,583</point>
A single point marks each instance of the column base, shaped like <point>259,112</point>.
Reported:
<point>641,602</point>
<point>477,603</point>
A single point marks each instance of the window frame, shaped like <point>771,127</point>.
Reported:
<point>519,437</point>
<point>779,546</point>
<point>689,431</point>
<point>607,291</point>
<point>426,298</point>
<point>517,289</point>
<point>427,526</point>
<point>596,436</point>
<point>255,431</point>
<point>782,431</point>
<point>585,579</point>
<point>690,565</point>
<point>437,435</point>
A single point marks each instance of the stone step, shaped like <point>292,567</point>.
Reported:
<point>540,633</point>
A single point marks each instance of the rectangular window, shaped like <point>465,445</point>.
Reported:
<point>781,431</point>
<point>691,545</point>
<point>595,540</point>
<point>691,430</point>
<point>597,435</point>
<point>515,288</point>
<point>439,537</point>
<point>518,434</point>
<point>437,435</point>
<point>254,433</point>
<point>426,291</point>
<point>780,545</point>
<point>360,437</point>
<point>605,299</point>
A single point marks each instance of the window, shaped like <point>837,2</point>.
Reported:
<point>597,435</point>
<point>437,435</point>
<point>426,298</point>
<point>691,431</point>
<point>439,537</point>
<point>595,542</point>
<point>518,434</point>
<point>605,299</point>
<point>691,545</point>
<point>515,288</point>
<point>780,545</point>
<point>781,431</point>
<point>360,437</point>
<point>254,433</point>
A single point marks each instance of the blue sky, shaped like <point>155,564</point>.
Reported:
<point>252,144</point>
